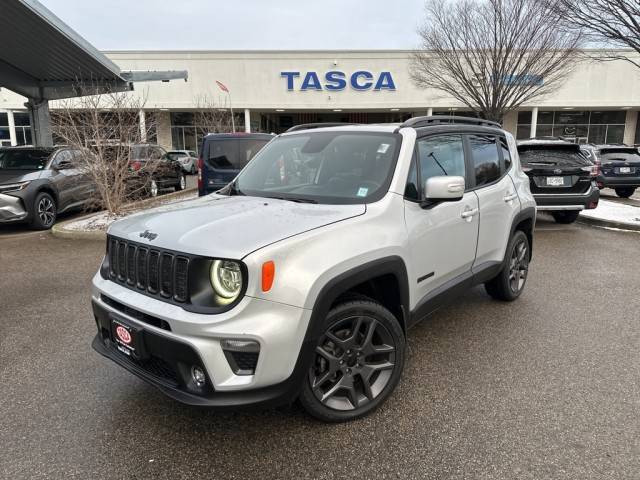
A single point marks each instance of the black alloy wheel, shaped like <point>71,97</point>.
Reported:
<point>510,282</point>
<point>357,362</point>
<point>45,212</point>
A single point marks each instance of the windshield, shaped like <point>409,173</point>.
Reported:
<point>24,159</point>
<point>619,154</point>
<point>233,153</point>
<point>561,157</point>
<point>323,167</point>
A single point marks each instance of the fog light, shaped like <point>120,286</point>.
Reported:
<point>198,376</point>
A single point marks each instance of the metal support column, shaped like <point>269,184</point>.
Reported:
<point>40,122</point>
<point>534,122</point>
<point>247,120</point>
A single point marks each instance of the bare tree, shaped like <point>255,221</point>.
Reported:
<point>104,127</point>
<point>493,55</point>
<point>609,22</point>
<point>211,117</point>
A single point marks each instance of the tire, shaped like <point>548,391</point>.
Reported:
<point>182,183</point>
<point>44,212</point>
<point>565,216</point>
<point>503,287</point>
<point>153,188</point>
<point>625,192</point>
<point>354,373</point>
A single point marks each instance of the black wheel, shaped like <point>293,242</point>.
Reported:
<point>565,216</point>
<point>182,183</point>
<point>44,212</point>
<point>625,192</point>
<point>357,364</point>
<point>509,283</point>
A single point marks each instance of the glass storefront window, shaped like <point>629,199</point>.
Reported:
<point>606,126</point>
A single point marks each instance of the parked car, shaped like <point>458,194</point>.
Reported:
<point>562,177</point>
<point>223,155</point>
<point>37,184</point>
<point>187,158</point>
<point>302,277</point>
<point>619,168</point>
<point>154,170</point>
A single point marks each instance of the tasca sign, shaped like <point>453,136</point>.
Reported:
<point>335,80</point>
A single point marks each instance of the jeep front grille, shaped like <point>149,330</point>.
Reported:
<point>156,271</point>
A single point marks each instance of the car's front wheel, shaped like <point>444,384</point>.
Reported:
<point>625,192</point>
<point>509,283</point>
<point>565,216</point>
<point>44,212</point>
<point>357,362</point>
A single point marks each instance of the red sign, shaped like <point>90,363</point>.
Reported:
<point>123,334</point>
<point>222,86</point>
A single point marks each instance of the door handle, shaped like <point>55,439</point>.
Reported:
<point>469,213</point>
<point>510,197</point>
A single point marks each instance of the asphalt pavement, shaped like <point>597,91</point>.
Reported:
<point>547,387</point>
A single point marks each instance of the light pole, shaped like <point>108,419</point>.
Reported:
<point>223,87</point>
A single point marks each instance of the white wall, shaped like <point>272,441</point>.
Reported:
<point>255,82</point>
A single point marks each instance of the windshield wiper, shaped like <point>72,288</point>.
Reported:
<point>295,199</point>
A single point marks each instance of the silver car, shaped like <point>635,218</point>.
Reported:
<point>188,159</point>
<point>301,278</point>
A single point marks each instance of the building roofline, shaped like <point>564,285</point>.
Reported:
<point>313,51</point>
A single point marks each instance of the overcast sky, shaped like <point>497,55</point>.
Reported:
<point>242,24</point>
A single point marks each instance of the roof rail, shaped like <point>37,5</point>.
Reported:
<point>417,122</point>
<point>309,126</point>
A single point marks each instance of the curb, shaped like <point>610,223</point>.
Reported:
<point>598,222</point>
<point>59,230</point>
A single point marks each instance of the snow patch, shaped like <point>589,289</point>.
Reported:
<point>614,212</point>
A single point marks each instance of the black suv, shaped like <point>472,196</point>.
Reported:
<point>36,184</point>
<point>223,155</point>
<point>619,168</point>
<point>561,175</point>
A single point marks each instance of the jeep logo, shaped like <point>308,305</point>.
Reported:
<point>148,235</point>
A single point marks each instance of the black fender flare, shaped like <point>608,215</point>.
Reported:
<point>528,213</point>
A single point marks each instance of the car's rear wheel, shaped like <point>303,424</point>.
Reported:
<point>565,216</point>
<point>44,212</point>
<point>182,183</point>
<point>625,192</point>
<point>153,188</point>
<point>357,362</point>
<point>509,283</point>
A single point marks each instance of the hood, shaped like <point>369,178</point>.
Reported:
<point>14,176</point>
<point>228,227</point>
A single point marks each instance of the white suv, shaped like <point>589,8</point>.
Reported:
<point>302,277</point>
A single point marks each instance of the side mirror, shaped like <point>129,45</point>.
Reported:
<point>443,189</point>
<point>63,165</point>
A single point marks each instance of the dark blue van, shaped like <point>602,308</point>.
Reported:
<point>223,155</point>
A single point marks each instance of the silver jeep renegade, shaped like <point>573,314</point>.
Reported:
<point>301,278</point>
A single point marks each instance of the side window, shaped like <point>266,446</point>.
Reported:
<point>486,161</point>
<point>505,153</point>
<point>412,189</point>
<point>441,155</point>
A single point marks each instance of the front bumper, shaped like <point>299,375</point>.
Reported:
<point>12,209</point>
<point>279,329</point>
<point>553,202</point>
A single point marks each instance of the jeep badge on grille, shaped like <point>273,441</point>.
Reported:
<point>148,235</point>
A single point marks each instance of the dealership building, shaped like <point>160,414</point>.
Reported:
<point>271,91</point>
